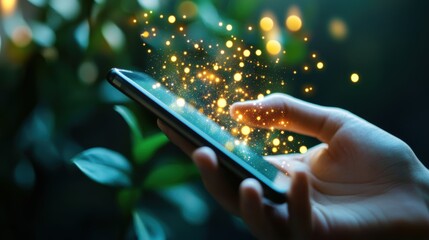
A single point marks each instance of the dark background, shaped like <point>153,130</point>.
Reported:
<point>49,114</point>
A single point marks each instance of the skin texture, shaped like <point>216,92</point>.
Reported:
<point>359,183</point>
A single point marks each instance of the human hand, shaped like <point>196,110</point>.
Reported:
<point>360,183</point>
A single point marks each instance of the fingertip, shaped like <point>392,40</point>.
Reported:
<point>251,186</point>
<point>205,158</point>
<point>250,197</point>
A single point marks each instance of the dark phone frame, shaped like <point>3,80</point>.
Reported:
<point>225,157</point>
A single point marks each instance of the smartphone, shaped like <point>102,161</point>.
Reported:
<point>200,130</point>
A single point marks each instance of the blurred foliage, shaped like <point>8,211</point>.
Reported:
<point>57,109</point>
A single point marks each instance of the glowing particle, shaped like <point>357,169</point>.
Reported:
<point>188,9</point>
<point>180,102</point>
<point>260,96</point>
<point>320,65</point>
<point>229,146</point>
<point>290,138</point>
<point>221,102</point>
<point>171,19</point>
<point>274,149</point>
<point>258,52</point>
<point>173,58</point>
<point>215,67</point>
<point>250,28</point>
<point>273,47</point>
<point>196,46</point>
<point>266,24</point>
<point>241,64</point>
<point>354,77</point>
<point>293,23</point>
<point>276,141</point>
<point>338,29</point>
<point>268,91</point>
<point>186,70</point>
<point>167,43</point>
<point>134,20</point>
<point>245,130</point>
<point>229,44</point>
<point>222,52</point>
<point>303,149</point>
<point>220,24</point>
<point>145,34</point>
<point>313,55</point>
<point>229,27</point>
<point>306,68</point>
<point>246,53</point>
<point>305,39</point>
<point>238,77</point>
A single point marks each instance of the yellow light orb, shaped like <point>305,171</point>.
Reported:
<point>338,29</point>
<point>245,130</point>
<point>171,19</point>
<point>258,52</point>
<point>229,27</point>
<point>274,149</point>
<point>266,24</point>
<point>303,149</point>
<point>238,77</point>
<point>180,102</point>
<point>241,64</point>
<point>246,53</point>
<point>167,43</point>
<point>276,141</point>
<point>260,96</point>
<point>187,70</point>
<point>221,102</point>
<point>229,44</point>
<point>273,47</point>
<point>173,58</point>
<point>294,23</point>
<point>145,34</point>
<point>320,65</point>
<point>188,9</point>
<point>290,138</point>
<point>354,77</point>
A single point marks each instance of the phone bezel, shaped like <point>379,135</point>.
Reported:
<point>229,160</point>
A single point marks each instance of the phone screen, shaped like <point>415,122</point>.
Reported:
<point>189,120</point>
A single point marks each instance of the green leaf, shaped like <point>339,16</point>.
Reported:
<point>131,120</point>
<point>104,166</point>
<point>139,227</point>
<point>145,149</point>
<point>168,175</point>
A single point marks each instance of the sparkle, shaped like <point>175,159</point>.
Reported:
<point>229,27</point>
<point>294,23</point>
<point>266,24</point>
<point>245,130</point>
<point>320,65</point>
<point>173,58</point>
<point>273,47</point>
<point>303,149</point>
<point>180,102</point>
<point>238,77</point>
<point>171,19</point>
<point>354,78</point>
<point>221,102</point>
<point>246,53</point>
<point>229,44</point>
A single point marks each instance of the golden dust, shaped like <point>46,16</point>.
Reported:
<point>266,24</point>
<point>171,19</point>
<point>145,34</point>
<point>229,27</point>
<point>260,96</point>
<point>305,39</point>
<point>229,44</point>
<point>290,138</point>
<point>276,141</point>
<point>268,91</point>
<point>221,102</point>
<point>303,149</point>
<point>238,77</point>
<point>220,24</point>
<point>149,51</point>
<point>167,43</point>
<point>320,65</point>
<point>258,52</point>
<point>134,20</point>
<point>313,55</point>
<point>273,47</point>
<point>196,46</point>
<point>250,28</point>
<point>181,29</point>
<point>354,78</point>
<point>246,53</point>
<point>180,102</point>
<point>245,130</point>
<point>306,68</point>
<point>241,64</point>
<point>186,70</point>
<point>173,58</point>
<point>274,149</point>
<point>294,23</point>
<point>222,52</point>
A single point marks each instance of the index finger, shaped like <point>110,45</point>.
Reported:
<point>281,111</point>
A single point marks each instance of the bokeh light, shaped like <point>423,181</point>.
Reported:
<point>293,23</point>
<point>338,29</point>
<point>273,47</point>
<point>266,24</point>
